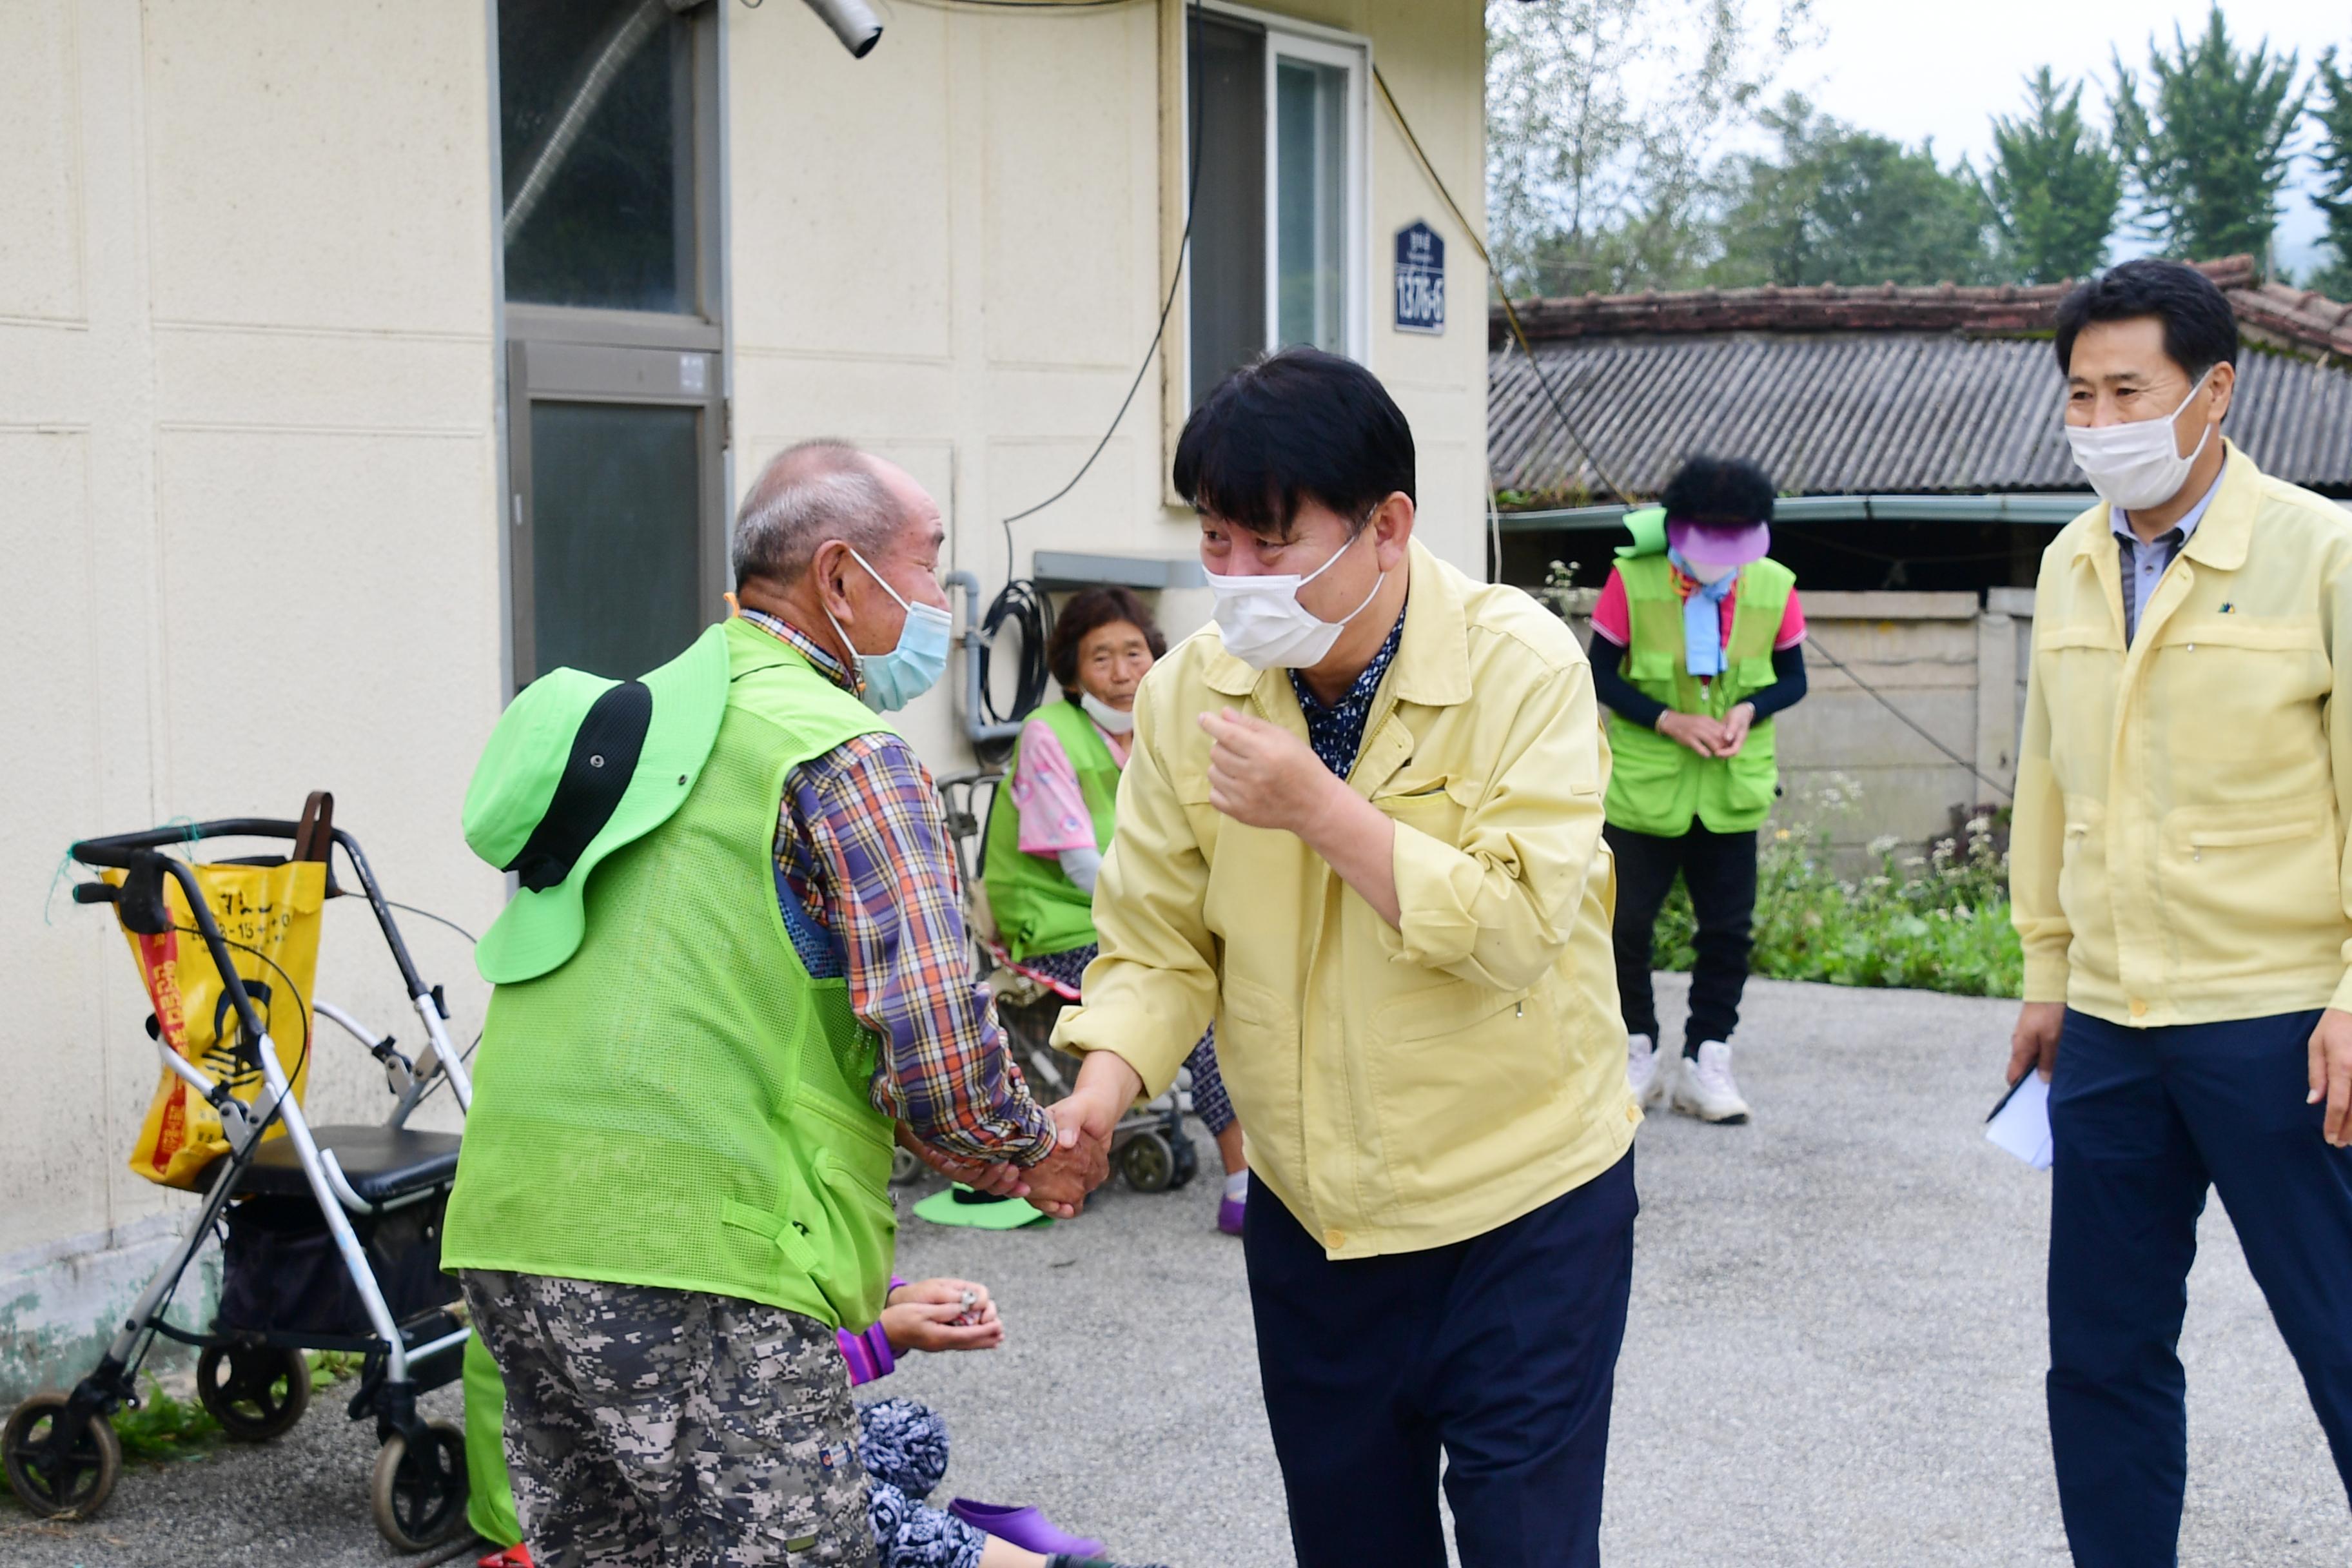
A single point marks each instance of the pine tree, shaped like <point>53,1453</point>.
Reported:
<point>2333,115</point>
<point>2055,185</point>
<point>1834,205</point>
<point>2208,150</point>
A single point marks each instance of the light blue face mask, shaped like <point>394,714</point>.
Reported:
<point>895,679</point>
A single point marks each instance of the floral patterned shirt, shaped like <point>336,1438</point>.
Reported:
<point>1337,732</point>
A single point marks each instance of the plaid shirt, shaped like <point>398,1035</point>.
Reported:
<point>861,840</point>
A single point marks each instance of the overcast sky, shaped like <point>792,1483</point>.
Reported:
<point>1910,70</point>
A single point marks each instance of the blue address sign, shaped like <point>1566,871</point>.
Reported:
<point>1419,279</point>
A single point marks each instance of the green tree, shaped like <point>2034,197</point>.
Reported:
<point>1834,205</point>
<point>1593,180</point>
<point>2333,115</point>
<point>2054,185</point>
<point>2209,149</point>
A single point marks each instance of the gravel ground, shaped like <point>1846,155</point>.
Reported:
<point>1834,1356</point>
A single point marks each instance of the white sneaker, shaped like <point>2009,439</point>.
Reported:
<point>1641,1064</point>
<point>1705,1088</point>
<point>1651,1088</point>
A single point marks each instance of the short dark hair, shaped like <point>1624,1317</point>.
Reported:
<point>2200,330</point>
<point>1725,491</point>
<point>1295,427</point>
<point>1091,611</point>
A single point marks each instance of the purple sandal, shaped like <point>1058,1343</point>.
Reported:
<point>1023,1527</point>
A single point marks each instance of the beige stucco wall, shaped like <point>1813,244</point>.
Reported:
<point>951,251</point>
<point>247,463</point>
<point>249,457</point>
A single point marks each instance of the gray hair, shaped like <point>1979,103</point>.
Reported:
<point>808,494</point>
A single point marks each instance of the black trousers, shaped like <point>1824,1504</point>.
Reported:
<point>1499,1351</point>
<point>2144,1123</point>
<point>1719,870</point>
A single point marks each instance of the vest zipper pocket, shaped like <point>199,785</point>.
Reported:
<point>775,1227</point>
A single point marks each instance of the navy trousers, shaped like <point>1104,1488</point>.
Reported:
<point>1501,1351</point>
<point>2144,1120</point>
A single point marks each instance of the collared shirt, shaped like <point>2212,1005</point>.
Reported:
<point>1336,730</point>
<point>1406,1085</point>
<point>2178,854</point>
<point>864,846</point>
<point>2144,563</point>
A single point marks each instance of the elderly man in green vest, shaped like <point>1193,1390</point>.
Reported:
<point>1696,646</point>
<point>736,959</point>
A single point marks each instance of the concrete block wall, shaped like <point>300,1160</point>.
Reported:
<point>1952,666</point>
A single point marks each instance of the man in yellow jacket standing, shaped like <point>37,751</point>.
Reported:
<point>1361,827</point>
<point>2181,887</point>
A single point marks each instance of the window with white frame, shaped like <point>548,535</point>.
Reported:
<point>1277,247</point>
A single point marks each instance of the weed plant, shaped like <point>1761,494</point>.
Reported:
<point>1932,921</point>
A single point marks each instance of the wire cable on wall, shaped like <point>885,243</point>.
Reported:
<point>1520,332</point>
<point>1020,603</point>
<point>1158,332</point>
<point>1510,311</point>
<point>1813,641</point>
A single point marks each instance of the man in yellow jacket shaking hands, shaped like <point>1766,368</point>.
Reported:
<point>2180,883</point>
<point>1361,827</point>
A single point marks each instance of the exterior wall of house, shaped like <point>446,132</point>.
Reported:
<point>992,190</point>
<point>250,459</point>
<point>248,466</point>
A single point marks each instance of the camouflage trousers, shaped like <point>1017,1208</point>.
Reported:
<point>656,1429</point>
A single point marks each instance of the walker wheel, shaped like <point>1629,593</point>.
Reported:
<point>419,1497</point>
<point>1188,1162</point>
<point>51,1483</point>
<point>904,1166</point>
<point>255,1391</point>
<point>1148,1163</point>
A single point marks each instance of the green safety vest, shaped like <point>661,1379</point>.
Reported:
<point>681,1103</point>
<point>1037,907</point>
<point>1658,786</point>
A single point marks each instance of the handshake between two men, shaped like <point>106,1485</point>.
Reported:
<point>1080,1163</point>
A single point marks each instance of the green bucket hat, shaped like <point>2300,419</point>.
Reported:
<point>961,1206</point>
<point>1648,526</point>
<point>577,766</point>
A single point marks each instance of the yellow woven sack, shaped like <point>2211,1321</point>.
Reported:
<point>269,910</point>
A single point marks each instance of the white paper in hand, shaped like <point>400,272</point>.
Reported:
<point>2021,1123</point>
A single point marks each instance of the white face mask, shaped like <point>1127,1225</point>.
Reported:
<point>1262,623</point>
<point>2136,465</point>
<point>1109,718</point>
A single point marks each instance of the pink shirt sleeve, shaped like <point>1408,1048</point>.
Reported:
<point>1612,618</point>
<point>1792,625</point>
<point>1053,814</point>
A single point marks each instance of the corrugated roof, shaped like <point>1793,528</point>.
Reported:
<point>1844,391</point>
<point>1835,413</point>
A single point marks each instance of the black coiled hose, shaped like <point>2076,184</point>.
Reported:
<point>1030,613</point>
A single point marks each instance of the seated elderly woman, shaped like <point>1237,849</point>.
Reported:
<point>1042,856</point>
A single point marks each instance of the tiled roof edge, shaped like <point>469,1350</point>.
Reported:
<point>2272,313</point>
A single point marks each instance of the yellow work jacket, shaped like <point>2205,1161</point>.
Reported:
<point>1400,1089</point>
<point>2177,855</point>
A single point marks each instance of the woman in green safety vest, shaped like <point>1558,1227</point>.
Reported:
<point>1042,855</point>
<point>1696,645</point>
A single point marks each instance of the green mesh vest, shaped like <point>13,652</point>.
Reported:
<point>681,1104</point>
<point>1657,785</point>
<point>1037,907</point>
